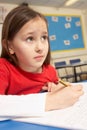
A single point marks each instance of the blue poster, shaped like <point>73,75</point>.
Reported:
<point>65,33</point>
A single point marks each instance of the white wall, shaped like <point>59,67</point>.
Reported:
<point>66,55</point>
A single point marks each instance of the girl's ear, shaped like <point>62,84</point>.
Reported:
<point>11,50</point>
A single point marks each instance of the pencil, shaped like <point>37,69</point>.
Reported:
<point>62,82</point>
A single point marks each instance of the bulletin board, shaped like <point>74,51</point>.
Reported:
<point>65,33</point>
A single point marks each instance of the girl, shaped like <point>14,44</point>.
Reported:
<point>25,66</point>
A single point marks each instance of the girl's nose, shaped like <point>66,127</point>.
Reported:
<point>39,45</point>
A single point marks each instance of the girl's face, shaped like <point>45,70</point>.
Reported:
<point>30,45</point>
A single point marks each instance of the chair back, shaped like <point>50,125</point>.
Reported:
<point>73,61</point>
<point>61,63</point>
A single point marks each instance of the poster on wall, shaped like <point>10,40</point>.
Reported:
<point>65,33</point>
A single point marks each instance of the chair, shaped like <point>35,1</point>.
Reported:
<point>64,70</point>
<point>78,69</point>
<point>62,63</point>
<point>73,61</point>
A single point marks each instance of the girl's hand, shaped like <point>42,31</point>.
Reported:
<point>50,86</point>
<point>63,98</point>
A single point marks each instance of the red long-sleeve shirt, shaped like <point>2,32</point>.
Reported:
<point>15,81</point>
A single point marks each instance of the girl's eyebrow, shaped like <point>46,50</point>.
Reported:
<point>45,32</point>
<point>29,33</point>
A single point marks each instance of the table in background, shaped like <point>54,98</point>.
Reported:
<point>75,65</point>
<point>15,125</point>
<point>64,68</point>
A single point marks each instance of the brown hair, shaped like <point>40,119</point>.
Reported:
<point>13,22</point>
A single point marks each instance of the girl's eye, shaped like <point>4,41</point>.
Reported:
<point>43,38</point>
<point>29,39</point>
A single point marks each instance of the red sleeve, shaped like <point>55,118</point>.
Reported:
<point>53,74</point>
<point>4,81</point>
<point>56,77</point>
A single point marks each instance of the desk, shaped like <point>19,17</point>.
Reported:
<point>14,125</point>
<point>74,65</point>
<point>63,66</point>
<point>64,71</point>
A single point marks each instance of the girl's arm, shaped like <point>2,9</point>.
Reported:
<point>37,104</point>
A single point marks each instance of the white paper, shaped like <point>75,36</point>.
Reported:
<point>74,117</point>
<point>32,105</point>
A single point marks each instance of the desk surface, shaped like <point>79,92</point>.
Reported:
<point>72,65</point>
<point>14,125</point>
<point>79,64</point>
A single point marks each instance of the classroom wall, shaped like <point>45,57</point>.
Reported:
<point>63,55</point>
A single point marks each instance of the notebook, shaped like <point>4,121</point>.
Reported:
<point>74,117</point>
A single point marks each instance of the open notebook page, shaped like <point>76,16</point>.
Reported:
<point>74,117</point>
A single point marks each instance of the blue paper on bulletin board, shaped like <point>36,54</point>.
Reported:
<point>65,32</point>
